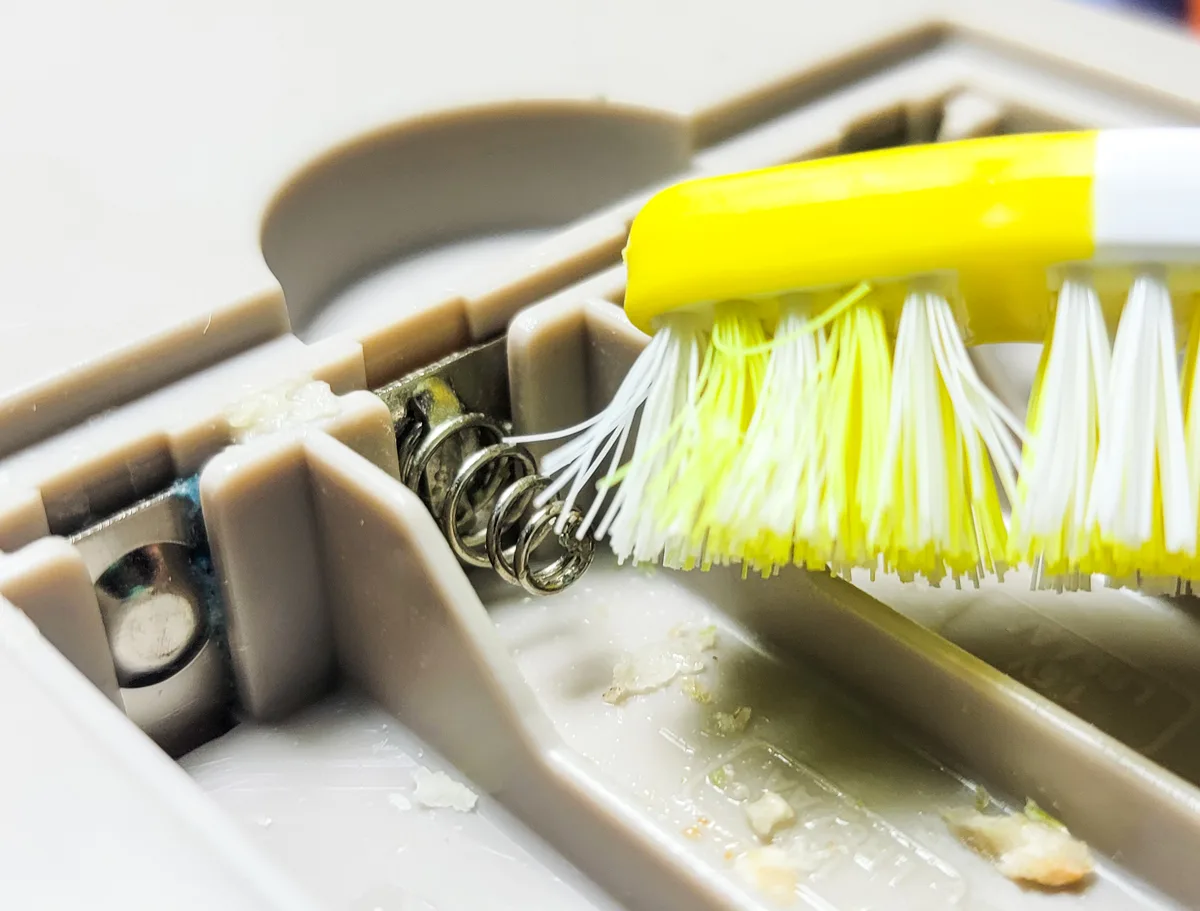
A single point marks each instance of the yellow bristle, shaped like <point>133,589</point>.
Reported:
<point>793,431</point>
<point>853,391</point>
<point>938,511</point>
<point>1050,528</point>
<point>747,516</point>
<point>712,428</point>
<point>1141,497</point>
<point>1191,412</point>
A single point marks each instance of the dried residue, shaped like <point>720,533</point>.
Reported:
<point>270,410</point>
<point>437,789</point>
<point>655,665</point>
<point>727,724</point>
<point>770,870</point>
<point>695,690</point>
<point>776,869</point>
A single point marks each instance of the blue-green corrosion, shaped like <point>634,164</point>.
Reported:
<point>187,491</point>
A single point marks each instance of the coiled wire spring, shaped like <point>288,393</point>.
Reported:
<point>481,489</point>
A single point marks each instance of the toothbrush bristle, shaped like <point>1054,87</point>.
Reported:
<point>810,441</point>
<point>938,511</point>
<point>1067,411</point>
<point>1141,500</point>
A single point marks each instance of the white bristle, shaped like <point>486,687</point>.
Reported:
<point>776,471</point>
<point>659,383</point>
<point>935,388</point>
<point>1141,491</point>
<point>807,439</point>
<point>576,462</point>
<point>631,523</point>
<point>914,425</point>
<point>1067,423</point>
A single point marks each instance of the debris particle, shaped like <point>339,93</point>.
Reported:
<point>1037,814</point>
<point>1023,848</point>
<point>719,777</point>
<point>400,802</point>
<point>739,791</point>
<point>770,871</point>
<point>437,789</point>
<point>769,813</point>
<point>726,724</point>
<point>697,693</point>
<point>692,832</point>
<point>655,665</point>
<point>264,821</point>
<point>286,405</point>
<point>983,799</point>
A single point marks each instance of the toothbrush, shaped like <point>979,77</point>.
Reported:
<point>807,397</point>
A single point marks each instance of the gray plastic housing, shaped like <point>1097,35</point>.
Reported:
<point>332,573</point>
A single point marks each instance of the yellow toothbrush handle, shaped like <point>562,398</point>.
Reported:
<point>995,214</point>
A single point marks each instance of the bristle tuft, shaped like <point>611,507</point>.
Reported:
<point>686,494</point>
<point>632,523</point>
<point>758,509</point>
<point>1141,499</point>
<point>1066,414</point>
<point>806,439</point>
<point>854,391</point>
<point>1191,427</point>
<point>938,512</point>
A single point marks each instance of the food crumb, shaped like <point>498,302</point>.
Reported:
<point>399,801</point>
<point>1024,849</point>
<point>769,813</point>
<point>692,832</point>
<point>655,665</point>
<point>693,689</point>
<point>769,870</point>
<point>727,724</point>
<point>437,789</point>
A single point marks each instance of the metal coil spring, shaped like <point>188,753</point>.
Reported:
<point>501,481</point>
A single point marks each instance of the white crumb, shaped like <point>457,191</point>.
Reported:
<point>1023,849</point>
<point>727,724</point>
<point>400,802</point>
<point>264,821</point>
<point>437,789</point>
<point>739,791</point>
<point>654,666</point>
<point>770,871</point>
<point>271,410</point>
<point>768,814</point>
<point>776,869</point>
